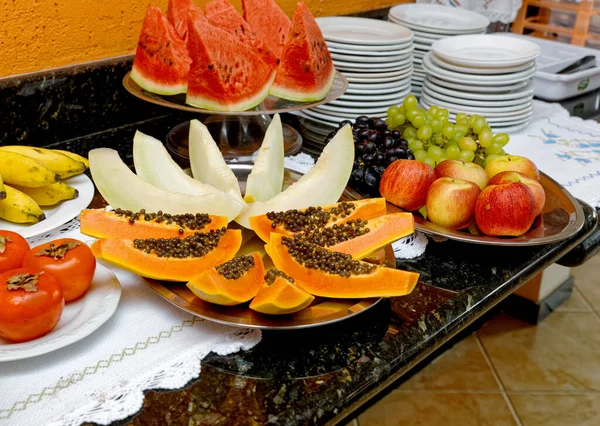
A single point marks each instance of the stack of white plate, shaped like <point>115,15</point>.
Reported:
<point>430,23</point>
<point>376,58</point>
<point>488,75</point>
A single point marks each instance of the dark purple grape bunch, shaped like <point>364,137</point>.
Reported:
<point>375,148</point>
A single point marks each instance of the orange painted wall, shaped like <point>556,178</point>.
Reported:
<point>42,34</point>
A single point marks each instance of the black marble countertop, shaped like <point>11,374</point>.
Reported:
<point>323,375</point>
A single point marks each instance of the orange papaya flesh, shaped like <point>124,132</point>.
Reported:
<point>361,238</point>
<point>280,298</point>
<point>231,283</point>
<point>171,264</point>
<point>100,223</point>
<point>293,221</point>
<point>322,272</point>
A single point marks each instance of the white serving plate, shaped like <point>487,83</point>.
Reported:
<point>424,40</point>
<point>57,215</point>
<point>491,111</point>
<point>524,92</point>
<point>79,319</point>
<point>361,107</point>
<point>485,51</point>
<point>439,18</point>
<point>501,88</point>
<point>374,85</point>
<point>385,53</point>
<point>393,79</point>
<point>510,129</point>
<point>379,92</point>
<point>370,103</point>
<point>374,66</point>
<point>373,49</point>
<point>476,79</point>
<point>334,117</point>
<point>359,60</point>
<point>475,70</point>
<point>458,100</point>
<point>378,76</point>
<point>363,31</point>
<point>422,47</point>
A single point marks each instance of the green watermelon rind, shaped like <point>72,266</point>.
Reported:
<point>245,104</point>
<point>303,96</point>
<point>153,87</point>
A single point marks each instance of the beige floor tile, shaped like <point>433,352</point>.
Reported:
<point>557,410</point>
<point>561,353</point>
<point>438,409</point>
<point>587,279</point>
<point>462,367</point>
<point>574,303</point>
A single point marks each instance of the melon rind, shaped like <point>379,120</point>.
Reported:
<point>302,96</point>
<point>205,103</point>
<point>154,87</point>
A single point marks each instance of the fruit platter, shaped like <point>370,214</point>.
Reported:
<point>41,189</point>
<point>457,179</point>
<point>218,61</point>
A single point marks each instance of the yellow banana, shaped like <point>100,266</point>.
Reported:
<point>50,195</point>
<point>20,208</point>
<point>22,170</point>
<point>2,190</point>
<point>60,164</point>
<point>74,156</point>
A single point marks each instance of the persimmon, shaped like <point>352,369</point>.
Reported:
<point>13,248</point>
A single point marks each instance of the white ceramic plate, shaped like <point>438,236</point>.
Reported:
<point>377,76</point>
<point>470,102</point>
<point>375,85</point>
<point>510,129</point>
<point>424,40</point>
<point>361,107</point>
<point>59,215</point>
<point>341,51</point>
<point>370,103</point>
<point>491,111</point>
<point>335,118</point>
<point>374,66</point>
<point>79,319</point>
<point>421,47</point>
<point>358,60</point>
<point>480,80</point>
<point>486,51</point>
<point>479,89</point>
<point>518,94</point>
<point>475,70</point>
<point>377,94</point>
<point>393,79</point>
<point>372,49</point>
<point>437,17</point>
<point>445,33</point>
<point>363,31</point>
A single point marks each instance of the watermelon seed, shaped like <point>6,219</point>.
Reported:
<point>210,66</point>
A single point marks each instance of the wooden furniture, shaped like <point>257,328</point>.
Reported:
<point>540,23</point>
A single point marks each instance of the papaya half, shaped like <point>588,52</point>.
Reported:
<point>293,221</point>
<point>279,295</point>
<point>231,283</point>
<point>118,223</point>
<point>172,259</point>
<point>361,238</point>
<point>322,272</point>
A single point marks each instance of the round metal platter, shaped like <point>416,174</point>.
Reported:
<point>271,105</point>
<point>561,218</point>
<point>321,312</point>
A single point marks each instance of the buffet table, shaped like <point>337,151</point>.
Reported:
<point>326,374</point>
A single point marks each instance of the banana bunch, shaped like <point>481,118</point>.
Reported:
<point>31,177</point>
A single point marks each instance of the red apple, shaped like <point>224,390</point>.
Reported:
<point>464,170</point>
<point>507,209</point>
<point>513,163</point>
<point>451,202</point>
<point>534,185</point>
<point>405,183</point>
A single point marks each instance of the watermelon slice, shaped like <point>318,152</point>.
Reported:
<point>161,61</point>
<point>306,71</point>
<point>269,22</point>
<point>177,12</point>
<point>222,14</point>
<point>225,75</point>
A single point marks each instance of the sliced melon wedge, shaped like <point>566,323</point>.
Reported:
<point>323,184</point>
<point>208,164</point>
<point>266,179</point>
<point>122,188</point>
<point>154,164</point>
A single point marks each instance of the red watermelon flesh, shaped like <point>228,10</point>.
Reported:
<point>161,61</point>
<point>269,22</point>
<point>177,12</point>
<point>222,14</point>
<point>306,71</point>
<point>225,75</point>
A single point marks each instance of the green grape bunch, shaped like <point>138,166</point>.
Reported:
<point>433,138</point>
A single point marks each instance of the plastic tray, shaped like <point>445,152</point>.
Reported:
<point>555,56</point>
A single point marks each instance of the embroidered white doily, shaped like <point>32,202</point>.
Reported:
<point>102,377</point>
